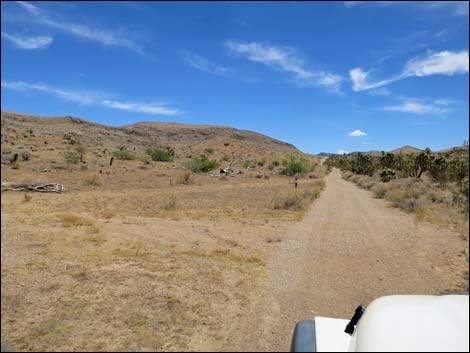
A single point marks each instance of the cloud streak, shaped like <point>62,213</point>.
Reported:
<point>417,108</point>
<point>454,8</point>
<point>104,37</point>
<point>285,59</point>
<point>28,43</point>
<point>202,64</point>
<point>88,98</point>
<point>442,63</point>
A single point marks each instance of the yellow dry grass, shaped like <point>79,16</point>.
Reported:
<point>123,267</point>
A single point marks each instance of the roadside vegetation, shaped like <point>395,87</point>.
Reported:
<point>434,186</point>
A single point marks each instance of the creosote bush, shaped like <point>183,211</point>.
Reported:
<point>295,165</point>
<point>72,157</point>
<point>162,155</point>
<point>124,155</point>
<point>201,164</point>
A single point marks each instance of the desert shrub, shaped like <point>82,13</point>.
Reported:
<point>387,160</point>
<point>226,144</point>
<point>226,158</point>
<point>162,155</point>
<point>209,150</point>
<point>259,176</point>
<point>146,159</point>
<point>80,149</point>
<point>169,203</point>
<point>387,174</point>
<point>29,130</point>
<point>380,190</point>
<point>248,164</point>
<point>13,158</point>
<point>201,164</point>
<point>295,165</point>
<point>15,165</point>
<point>25,156</point>
<point>185,178</point>
<point>261,162</point>
<point>438,169</point>
<point>363,164</point>
<point>124,155</point>
<point>72,157</point>
<point>92,179</point>
<point>347,175</point>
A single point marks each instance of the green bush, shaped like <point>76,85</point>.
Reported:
<point>72,157</point>
<point>387,174</point>
<point>261,162</point>
<point>209,150</point>
<point>13,158</point>
<point>273,165</point>
<point>161,155</point>
<point>80,149</point>
<point>226,158</point>
<point>226,144</point>
<point>248,164</point>
<point>201,164</point>
<point>295,165</point>
<point>124,154</point>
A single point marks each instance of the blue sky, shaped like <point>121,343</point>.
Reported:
<point>336,76</point>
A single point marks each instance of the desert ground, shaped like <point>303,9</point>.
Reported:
<point>131,258</point>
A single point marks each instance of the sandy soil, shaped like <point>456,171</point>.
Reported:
<point>349,249</point>
<point>119,273</point>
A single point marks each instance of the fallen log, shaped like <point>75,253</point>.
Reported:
<point>37,187</point>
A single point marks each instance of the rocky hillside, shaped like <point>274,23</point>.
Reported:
<point>38,133</point>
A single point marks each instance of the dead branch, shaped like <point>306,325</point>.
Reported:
<point>37,187</point>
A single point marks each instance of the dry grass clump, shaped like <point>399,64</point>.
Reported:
<point>364,181</point>
<point>186,178</point>
<point>92,179</point>
<point>71,220</point>
<point>27,197</point>
<point>298,200</point>
<point>169,203</point>
<point>347,175</point>
<point>292,202</point>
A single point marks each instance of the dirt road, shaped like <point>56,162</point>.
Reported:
<point>349,249</point>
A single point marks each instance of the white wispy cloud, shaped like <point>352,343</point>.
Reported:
<point>383,91</point>
<point>28,42</point>
<point>417,108</point>
<point>94,98</point>
<point>77,97</point>
<point>149,108</point>
<point>441,63</point>
<point>102,36</point>
<point>342,152</point>
<point>200,63</point>
<point>444,101</point>
<point>285,59</point>
<point>454,8</point>
<point>357,133</point>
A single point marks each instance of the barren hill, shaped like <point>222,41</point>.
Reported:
<point>188,140</point>
<point>406,150</point>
